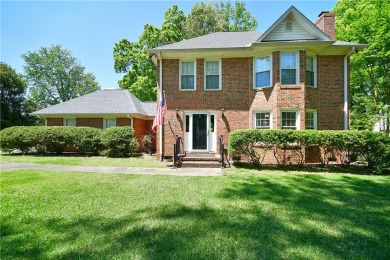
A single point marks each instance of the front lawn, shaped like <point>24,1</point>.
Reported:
<point>237,216</point>
<point>141,162</point>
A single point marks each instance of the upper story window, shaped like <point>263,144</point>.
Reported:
<point>70,122</point>
<point>263,72</point>
<point>311,71</point>
<point>263,120</point>
<point>187,75</point>
<point>289,68</point>
<point>109,122</point>
<point>212,75</point>
<point>290,119</point>
<point>311,119</point>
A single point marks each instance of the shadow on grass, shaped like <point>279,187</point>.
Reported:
<point>314,168</point>
<point>298,216</point>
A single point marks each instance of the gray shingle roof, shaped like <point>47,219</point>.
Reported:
<point>101,102</point>
<point>215,40</point>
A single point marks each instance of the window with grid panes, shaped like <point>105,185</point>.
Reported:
<point>263,120</point>
<point>288,65</point>
<point>212,75</point>
<point>187,75</point>
<point>310,71</point>
<point>289,120</point>
<point>311,120</point>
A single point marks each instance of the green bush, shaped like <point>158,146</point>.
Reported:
<point>23,138</point>
<point>86,139</point>
<point>56,138</point>
<point>287,145</point>
<point>119,141</point>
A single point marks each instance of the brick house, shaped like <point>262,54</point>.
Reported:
<point>295,75</point>
<point>102,109</point>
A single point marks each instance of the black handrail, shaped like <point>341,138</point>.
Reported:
<point>222,153</point>
<point>176,151</point>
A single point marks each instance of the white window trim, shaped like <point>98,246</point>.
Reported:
<point>254,72</point>
<point>315,70</point>
<point>297,79</point>
<point>297,120</point>
<point>271,125</point>
<point>315,117</point>
<point>104,121</point>
<point>205,74</point>
<point>181,61</point>
<point>69,118</point>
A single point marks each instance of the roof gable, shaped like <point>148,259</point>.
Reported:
<point>301,29</point>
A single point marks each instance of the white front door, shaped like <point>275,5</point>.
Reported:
<point>200,132</point>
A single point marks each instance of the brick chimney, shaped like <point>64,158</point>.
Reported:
<point>326,23</point>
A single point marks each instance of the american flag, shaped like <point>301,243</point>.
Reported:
<point>159,119</point>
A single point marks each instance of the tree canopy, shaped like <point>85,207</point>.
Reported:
<point>131,57</point>
<point>365,21</point>
<point>14,106</point>
<point>55,76</point>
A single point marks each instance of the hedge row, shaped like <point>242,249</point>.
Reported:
<point>373,148</point>
<point>114,142</point>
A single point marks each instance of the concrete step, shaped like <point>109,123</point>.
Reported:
<point>200,164</point>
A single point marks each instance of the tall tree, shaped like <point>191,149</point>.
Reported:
<point>131,57</point>
<point>55,76</point>
<point>366,21</point>
<point>14,106</point>
<point>237,17</point>
<point>205,18</point>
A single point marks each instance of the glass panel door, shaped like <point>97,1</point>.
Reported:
<point>199,132</point>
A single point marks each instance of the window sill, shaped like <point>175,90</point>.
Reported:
<point>290,87</point>
<point>262,88</point>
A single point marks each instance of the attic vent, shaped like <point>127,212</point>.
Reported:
<point>288,26</point>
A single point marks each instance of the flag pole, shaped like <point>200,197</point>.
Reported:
<point>161,93</point>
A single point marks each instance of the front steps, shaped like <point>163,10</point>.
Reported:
<point>201,160</point>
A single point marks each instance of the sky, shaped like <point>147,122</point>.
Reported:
<point>90,29</point>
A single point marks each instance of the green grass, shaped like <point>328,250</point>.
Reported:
<point>142,161</point>
<point>63,215</point>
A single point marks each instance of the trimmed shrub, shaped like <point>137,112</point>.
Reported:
<point>23,138</point>
<point>289,146</point>
<point>86,139</point>
<point>56,138</point>
<point>119,141</point>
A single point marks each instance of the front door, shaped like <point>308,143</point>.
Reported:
<point>199,132</point>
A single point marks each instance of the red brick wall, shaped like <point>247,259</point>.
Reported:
<point>90,122</point>
<point>55,121</point>
<point>328,97</point>
<point>239,99</point>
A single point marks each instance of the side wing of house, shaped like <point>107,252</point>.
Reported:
<point>102,109</point>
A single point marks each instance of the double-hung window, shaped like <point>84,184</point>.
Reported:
<point>187,75</point>
<point>263,120</point>
<point>310,71</point>
<point>290,120</point>
<point>263,72</point>
<point>289,68</point>
<point>109,122</point>
<point>70,122</point>
<point>213,75</point>
<point>311,119</point>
